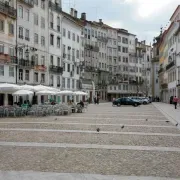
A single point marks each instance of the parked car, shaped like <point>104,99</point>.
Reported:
<point>126,101</point>
<point>137,99</point>
<point>145,100</point>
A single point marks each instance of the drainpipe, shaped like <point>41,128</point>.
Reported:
<point>16,46</point>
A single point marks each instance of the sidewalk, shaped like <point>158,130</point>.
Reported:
<point>169,111</point>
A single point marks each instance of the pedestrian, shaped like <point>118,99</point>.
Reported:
<point>175,101</point>
<point>94,99</point>
<point>98,97</point>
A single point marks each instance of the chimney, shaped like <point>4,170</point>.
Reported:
<point>100,21</point>
<point>75,13</point>
<point>72,12</point>
<point>83,16</point>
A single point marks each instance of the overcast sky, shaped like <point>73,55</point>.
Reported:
<point>141,17</point>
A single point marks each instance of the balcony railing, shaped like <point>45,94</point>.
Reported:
<point>55,7</point>
<point>56,69</point>
<point>26,63</point>
<point>170,65</point>
<point>8,10</point>
<point>29,3</point>
<point>92,48</point>
<point>164,85</point>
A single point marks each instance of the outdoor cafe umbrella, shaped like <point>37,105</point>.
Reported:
<point>46,92</point>
<point>80,93</point>
<point>28,87</point>
<point>65,93</point>
<point>22,93</point>
<point>6,87</point>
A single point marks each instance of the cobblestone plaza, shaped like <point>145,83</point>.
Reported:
<point>133,143</point>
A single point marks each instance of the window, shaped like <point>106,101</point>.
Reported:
<point>63,82</point>
<point>1,25</point>
<point>42,4</point>
<point>58,62</point>
<point>36,19</point>
<point>69,69</point>
<point>42,78</point>
<point>27,34</point>
<point>36,2</point>
<point>36,59</point>
<point>20,53</point>
<point>11,71</point>
<point>51,20</point>
<point>156,81</point>
<point>11,51</point>
<point>27,75</point>
<point>2,48</point>
<point>64,32</point>
<point>36,77</point>
<point>20,11</point>
<point>77,70</point>
<point>68,83</point>
<point>77,54</point>
<point>64,67</point>
<point>27,15</point>
<point>51,80</point>
<point>21,32</point>
<point>42,60</point>
<point>72,83</point>
<point>42,22</point>
<point>58,42</point>
<point>35,38</point>
<point>42,41</point>
<point>21,74</point>
<point>52,39</point>
<point>77,38</point>
<point>58,24</point>
<point>114,42</point>
<point>11,28</point>
<point>69,35</point>
<point>73,37</point>
<point>58,81</point>
<point>51,62</point>
<point>1,70</point>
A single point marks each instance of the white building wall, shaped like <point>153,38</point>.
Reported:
<point>70,44</point>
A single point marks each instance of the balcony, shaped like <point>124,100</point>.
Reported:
<point>92,48</point>
<point>164,85</point>
<point>161,70</point>
<point>21,36</point>
<point>29,3</point>
<point>26,63</point>
<point>90,69</point>
<point>170,65</point>
<point>27,39</point>
<point>103,39</point>
<point>55,7</point>
<point>55,69</point>
<point>40,68</point>
<point>8,10</point>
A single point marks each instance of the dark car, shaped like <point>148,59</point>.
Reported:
<point>126,101</point>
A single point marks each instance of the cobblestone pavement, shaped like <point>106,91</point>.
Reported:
<point>134,143</point>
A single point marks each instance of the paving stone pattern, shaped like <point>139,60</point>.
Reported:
<point>121,162</point>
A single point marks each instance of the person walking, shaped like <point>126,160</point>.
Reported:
<point>175,101</point>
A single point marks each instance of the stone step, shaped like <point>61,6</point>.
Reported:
<point>91,161</point>
<point>93,127</point>
<point>91,137</point>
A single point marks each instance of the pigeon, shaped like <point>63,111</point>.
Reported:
<point>167,121</point>
<point>122,127</point>
<point>97,129</point>
<point>147,119</point>
<point>177,124</point>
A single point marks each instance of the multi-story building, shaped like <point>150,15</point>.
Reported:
<point>32,43</point>
<point>155,67</point>
<point>169,59</point>
<point>8,60</point>
<point>71,47</point>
